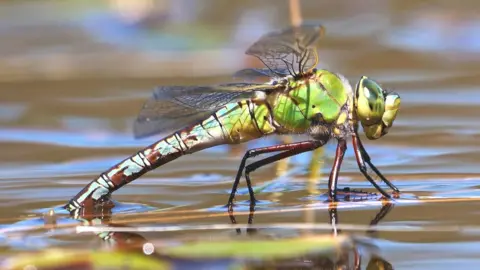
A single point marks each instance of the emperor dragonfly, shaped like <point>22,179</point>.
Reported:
<point>298,99</point>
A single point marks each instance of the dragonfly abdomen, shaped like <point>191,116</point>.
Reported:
<point>234,123</point>
<point>245,120</point>
<point>128,170</point>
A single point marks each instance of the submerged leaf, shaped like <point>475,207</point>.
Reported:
<point>260,249</point>
<point>60,259</point>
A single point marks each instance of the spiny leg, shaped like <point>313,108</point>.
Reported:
<point>362,158</point>
<point>368,160</point>
<point>333,178</point>
<point>260,163</point>
<point>292,148</point>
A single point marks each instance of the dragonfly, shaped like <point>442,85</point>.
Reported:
<point>294,98</point>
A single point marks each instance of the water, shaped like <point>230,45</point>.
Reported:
<point>60,128</point>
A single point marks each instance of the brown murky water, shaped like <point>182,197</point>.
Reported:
<point>68,100</point>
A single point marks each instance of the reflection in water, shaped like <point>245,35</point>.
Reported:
<point>347,257</point>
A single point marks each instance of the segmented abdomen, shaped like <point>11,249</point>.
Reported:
<point>245,120</point>
<point>235,123</point>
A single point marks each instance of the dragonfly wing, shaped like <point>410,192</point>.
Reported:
<point>163,115</point>
<point>174,107</point>
<point>259,73</point>
<point>292,49</point>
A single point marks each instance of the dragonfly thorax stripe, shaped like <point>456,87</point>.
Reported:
<point>251,108</point>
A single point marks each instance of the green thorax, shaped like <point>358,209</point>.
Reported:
<point>324,93</point>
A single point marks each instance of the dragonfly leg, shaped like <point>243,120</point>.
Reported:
<point>288,150</point>
<point>337,163</point>
<point>368,160</point>
<point>263,162</point>
<point>362,159</point>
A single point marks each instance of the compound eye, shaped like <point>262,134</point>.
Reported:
<point>392,105</point>
<point>374,93</point>
<point>370,101</point>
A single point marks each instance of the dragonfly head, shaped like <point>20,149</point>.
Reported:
<point>375,108</point>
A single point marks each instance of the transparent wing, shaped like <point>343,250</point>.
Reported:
<point>259,73</point>
<point>174,107</point>
<point>290,51</point>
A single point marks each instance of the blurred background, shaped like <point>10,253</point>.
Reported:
<point>59,40</point>
<point>74,74</point>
